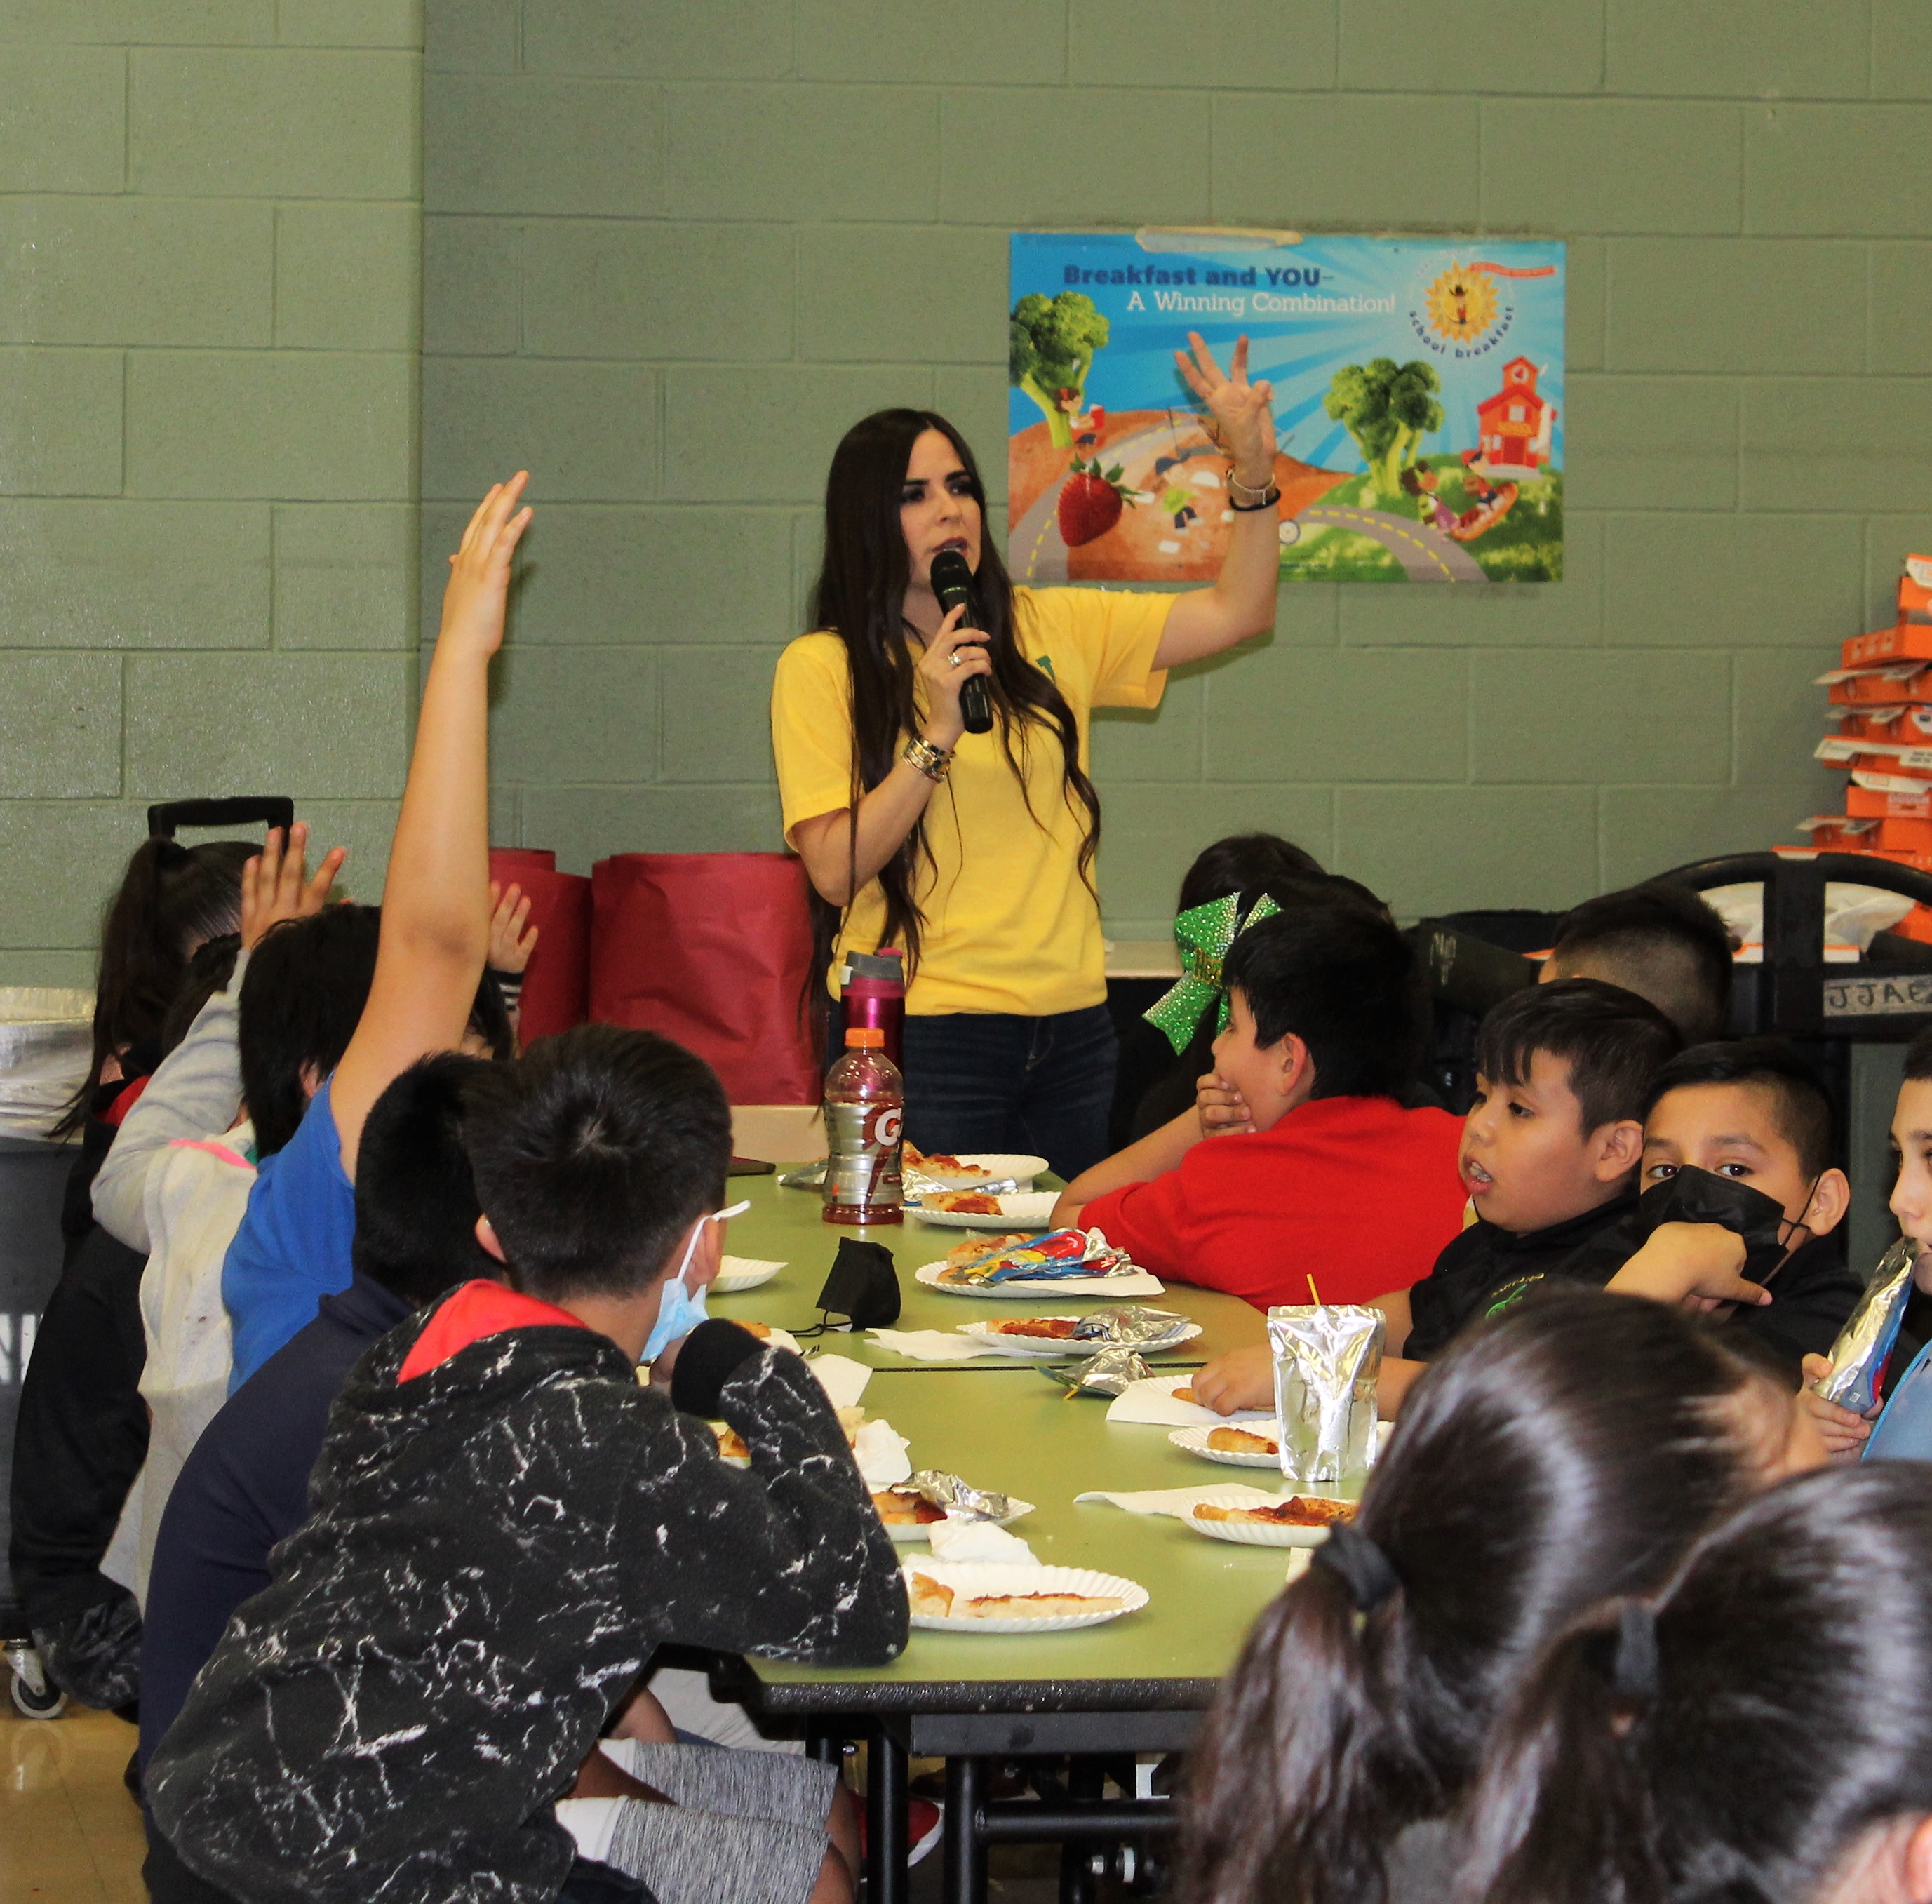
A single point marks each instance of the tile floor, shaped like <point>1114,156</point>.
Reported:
<point>69,1831</point>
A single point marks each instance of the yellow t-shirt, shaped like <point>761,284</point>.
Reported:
<point>1009,925</point>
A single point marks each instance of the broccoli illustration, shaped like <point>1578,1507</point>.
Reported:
<point>1050,347</point>
<point>1388,408</point>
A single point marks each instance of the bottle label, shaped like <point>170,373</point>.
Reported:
<point>862,1167</point>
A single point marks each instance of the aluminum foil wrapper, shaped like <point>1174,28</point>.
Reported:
<point>1133,1325</point>
<point>1113,1371</point>
<point>1865,1343</point>
<point>958,1497</point>
<point>1326,1360</point>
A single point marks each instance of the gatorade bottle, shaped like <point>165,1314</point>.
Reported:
<point>865,1111</point>
<point>874,993</point>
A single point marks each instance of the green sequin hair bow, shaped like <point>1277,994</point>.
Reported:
<point>1202,935</point>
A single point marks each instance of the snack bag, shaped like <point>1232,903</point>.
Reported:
<point>1864,1347</point>
<point>1044,1258</point>
<point>1326,1361</point>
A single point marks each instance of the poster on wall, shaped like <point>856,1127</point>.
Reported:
<point>1418,404</point>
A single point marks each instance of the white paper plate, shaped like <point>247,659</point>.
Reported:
<point>984,1578</point>
<point>1116,1288</point>
<point>1194,1440</point>
<point>912,1535</point>
<point>1019,1210</point>
<point>1056,1348</point>
<point>1251,1533</point>
<point>738,1273</point>
<point>992,1166</point>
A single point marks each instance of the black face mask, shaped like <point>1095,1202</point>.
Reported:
<point>1701,1196</point>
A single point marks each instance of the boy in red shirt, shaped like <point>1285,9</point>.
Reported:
<point>1332,1178</point>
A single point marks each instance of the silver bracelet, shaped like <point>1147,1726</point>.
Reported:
<point>1243,497</point>
<point>923,757</point>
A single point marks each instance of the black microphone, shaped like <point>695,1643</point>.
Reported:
<point>953,583</point>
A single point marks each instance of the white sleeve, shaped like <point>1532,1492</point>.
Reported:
<point>196,1089</point>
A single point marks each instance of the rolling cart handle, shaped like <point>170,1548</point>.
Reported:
<point>271,809</point>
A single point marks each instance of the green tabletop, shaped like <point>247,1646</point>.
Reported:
<point>785,1225</point>
<point>1019,1436</point>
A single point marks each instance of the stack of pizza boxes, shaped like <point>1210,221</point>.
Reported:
<point>1882,702</point>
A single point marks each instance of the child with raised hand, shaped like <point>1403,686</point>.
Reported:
<point>1761,1728</point>
<point>292,1246</point>
<point>1576,1446</point>
<point>1548,1156</point>
<point>505,1526</point>
<point>1335,1172</point>
<point>512,939</point>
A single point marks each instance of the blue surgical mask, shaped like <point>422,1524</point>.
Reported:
<point>679,1311</point>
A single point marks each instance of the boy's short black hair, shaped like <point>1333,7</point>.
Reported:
<point>1804,1115</point>
<point>416,1197</point>
<point>301,999</point>
<point>592,1154</point>
<point>1343,980</point>
<point>1918,1058</point>
<point>1661,941</point>
<point>1613,1041</point>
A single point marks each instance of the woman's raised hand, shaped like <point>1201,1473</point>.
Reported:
<point>1239,408</point>
<point>479,572</point>
<point>953,657</point>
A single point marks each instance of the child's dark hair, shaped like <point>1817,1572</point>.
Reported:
<point>415,1196</point>
<point>1918,1058</point>
<point>1741,1739</point>
<point>301,998</point>
<point>170,898</point>
<point>1660,941</point>
<point>208,971</point>
<point>1613,1041</point>
<point>1803,1114</point>
<point>1574,1446</point>
<point>1344,981</point>
<point>1244,862</point>
<point>593,1154</point>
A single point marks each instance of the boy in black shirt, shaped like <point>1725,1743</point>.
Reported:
<point>1550,1153</point>
<point>505,1526</point>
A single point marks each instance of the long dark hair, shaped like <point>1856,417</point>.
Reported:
<point>170,899</point>
<point>859,596</point>
<point>1740,1741</point>
<point>1574,1446</point>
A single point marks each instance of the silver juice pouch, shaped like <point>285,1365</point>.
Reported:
<point>1865,1343</point>
<point>1326,1360</point>
<point>960,1498</point>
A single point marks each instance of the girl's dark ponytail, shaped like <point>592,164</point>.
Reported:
<point>171,899</point>
<point>1561,1812</point>
<point>1304,1772</point>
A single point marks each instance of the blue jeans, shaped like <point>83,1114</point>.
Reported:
<point>993,1081</point>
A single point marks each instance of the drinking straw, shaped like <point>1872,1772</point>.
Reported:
<point>1313,1293</point>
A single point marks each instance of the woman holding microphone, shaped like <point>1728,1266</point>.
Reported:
<point>973,852</point>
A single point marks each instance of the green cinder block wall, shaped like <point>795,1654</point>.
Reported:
<point>210,297</point>
<point>673,250</point>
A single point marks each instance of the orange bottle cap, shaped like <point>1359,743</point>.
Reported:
<point>865,1036</point>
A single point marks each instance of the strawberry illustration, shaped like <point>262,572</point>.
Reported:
<point>1090,502</point>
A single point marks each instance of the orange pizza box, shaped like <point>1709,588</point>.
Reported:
<point>1875,756</point>
<point>1886,727</point>
<point>1903,683</point>
<point>1917,924</point>
<point>1912,836</point>
<point>1914,590</point>
<point>1864,802</point>
<point>1903,641</point>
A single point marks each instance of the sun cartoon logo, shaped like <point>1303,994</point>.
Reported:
<point>1461,304</point>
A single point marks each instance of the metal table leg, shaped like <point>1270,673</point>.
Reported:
<point>964,1851</point>
<point>886,1847</point>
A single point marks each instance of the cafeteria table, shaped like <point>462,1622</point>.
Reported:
<point>785,1225</point>
<point>1136,1684</point>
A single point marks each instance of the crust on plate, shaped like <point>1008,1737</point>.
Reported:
<point>731,1443</point>
<point>1036,1606</point>
<point>1298,1510</point>
<point>942,1162</point>
<point>1185,1392</point>
<point>963,1202</point>
<point>905,1507</point>
<point>980,1247</point>
<point>929,1597</point>
<point>1054,1328</point>
<point>1239,1442</point>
